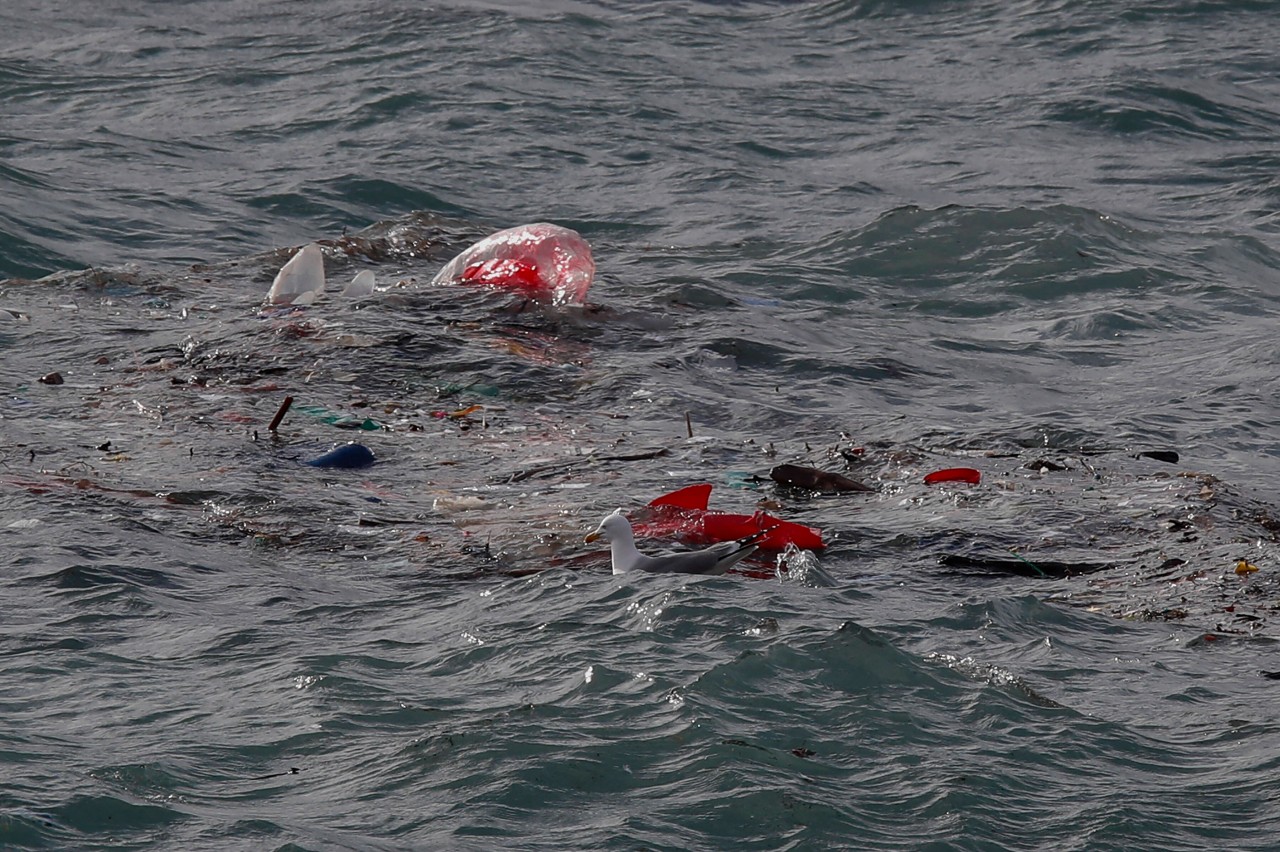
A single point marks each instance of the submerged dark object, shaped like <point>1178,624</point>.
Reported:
<point>1159,455</point>
<point>350,455</point>
<point>1043,465</point>
<point>795,476</point>
<point>1021,566</point>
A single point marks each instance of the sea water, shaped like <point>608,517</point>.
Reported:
<point>1037,239</point>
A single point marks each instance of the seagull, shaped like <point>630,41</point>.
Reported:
<point>717,559</point>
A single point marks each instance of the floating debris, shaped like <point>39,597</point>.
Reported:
<point>539,261</point>
<point>301,280</point>
<point>360,286</point>
<point>812,479</point>
<point>280,413</point>
<point>954,474</point>
<point>449,504</point>
<point>349,455</point>
<point>684,514</point>
<point>1022,566</point>
<point>1045,466</point>
<point>1167,456</point>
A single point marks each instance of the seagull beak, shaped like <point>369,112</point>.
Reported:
<point>595,536</point>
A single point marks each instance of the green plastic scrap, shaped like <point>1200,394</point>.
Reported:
<point>342,421</point>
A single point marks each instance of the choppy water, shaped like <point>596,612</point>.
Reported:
<point>882,238</point>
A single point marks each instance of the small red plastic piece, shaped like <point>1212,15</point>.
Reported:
<point>954,474</point>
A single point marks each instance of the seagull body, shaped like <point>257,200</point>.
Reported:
<point>717,559</point>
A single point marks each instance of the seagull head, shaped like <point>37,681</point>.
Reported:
<point>615,527</point>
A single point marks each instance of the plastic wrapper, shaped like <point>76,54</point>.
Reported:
<point>539,261</point>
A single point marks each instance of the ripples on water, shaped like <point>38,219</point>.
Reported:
<point>1012,237</point>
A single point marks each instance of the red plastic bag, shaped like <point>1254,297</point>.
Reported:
<point>540,261</point>
<point>684,514</point>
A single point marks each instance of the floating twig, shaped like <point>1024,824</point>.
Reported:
<point>284,407</point>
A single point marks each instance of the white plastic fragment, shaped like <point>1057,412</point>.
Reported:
<point>300,280</point>
<point>449,504</point>
<point>360,286</point>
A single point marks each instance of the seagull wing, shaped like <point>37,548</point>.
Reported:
<point>716,559</point>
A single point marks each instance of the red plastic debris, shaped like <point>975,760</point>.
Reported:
<point>954,474</point>
<point>541,261</point>
<point>717,526</point>
<point>695,497</point>
<point>503,272</point>
<point>683,514</point>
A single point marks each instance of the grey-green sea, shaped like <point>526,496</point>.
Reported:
<point>1039,240</point>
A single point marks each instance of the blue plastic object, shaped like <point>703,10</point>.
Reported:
<point>351,455</point>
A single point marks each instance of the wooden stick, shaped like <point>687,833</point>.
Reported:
<point>284,407</point>
<point>688,424</point>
